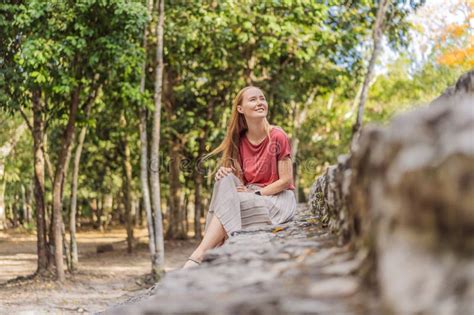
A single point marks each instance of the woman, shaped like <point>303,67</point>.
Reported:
<point>254,183</point>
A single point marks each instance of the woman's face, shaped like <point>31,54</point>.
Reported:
<point>254,104</point>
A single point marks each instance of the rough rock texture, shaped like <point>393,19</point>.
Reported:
<point>329,199</point>
<point>296,268</point>
<point>407,196</point>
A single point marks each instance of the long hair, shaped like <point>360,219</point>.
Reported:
<point>230,145</point>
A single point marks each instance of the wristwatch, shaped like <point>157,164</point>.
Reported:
<point>258,193</point>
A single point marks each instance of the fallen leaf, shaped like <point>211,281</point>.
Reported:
<point>277,229</point>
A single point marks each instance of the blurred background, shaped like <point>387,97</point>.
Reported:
<point>79,85</point>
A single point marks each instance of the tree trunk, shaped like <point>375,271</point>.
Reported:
<point>75,177</point>
<point>29,194</point>
<point>66,247</point>
<point>14,213</point>
<point>100,212</point>
<point>49,214</point>
<point>377,45</point>
<point>145,186</point>
<point>140,216</point>
<point>47,160</point>
<point>108,209</point>
<point>200,171</point>
<point>298,119</point>
<point>294,149</point>
<point>5,150</point>
<point>198,180</point>
<point>39,191</point>
<point>155,146</point>
<point>3,218</point>
<point>67,250</point>
<point>50,229</point>
<point>58,183</point>
<point>23,205</point>
<point>136,213</point>
<point>73,211</point>
<point>94,213</point>
<point>185,203</point>
<point>127,185</point>
<point>176,228</point>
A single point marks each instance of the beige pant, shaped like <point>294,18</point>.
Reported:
<point>239,210</point>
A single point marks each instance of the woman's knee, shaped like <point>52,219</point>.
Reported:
<point>231,177</point>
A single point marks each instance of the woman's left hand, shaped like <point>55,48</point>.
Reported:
<point>242,188</point>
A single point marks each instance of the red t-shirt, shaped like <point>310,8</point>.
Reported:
<point>260,162</point>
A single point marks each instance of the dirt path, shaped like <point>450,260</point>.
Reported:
<point>102,279</point>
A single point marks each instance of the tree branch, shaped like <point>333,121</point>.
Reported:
<point>8,147</point>
<point>25,118</point>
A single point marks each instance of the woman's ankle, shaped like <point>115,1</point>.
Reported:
<point>197,255</point>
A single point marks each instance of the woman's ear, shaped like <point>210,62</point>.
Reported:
<point>239,109</point>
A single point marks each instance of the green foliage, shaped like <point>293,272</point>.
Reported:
<point>327,131</point>
<point>57,46</point>
<point>285,47</point>
<point>289,48</point>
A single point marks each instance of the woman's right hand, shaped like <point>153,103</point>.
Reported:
<point>223,171</point>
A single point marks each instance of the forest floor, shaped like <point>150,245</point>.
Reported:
<point>101,280</point>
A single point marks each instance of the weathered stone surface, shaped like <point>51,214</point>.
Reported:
<point>416,178</point>
<point>328,199</point>
<point>407,197</point>
<point>298,270</point>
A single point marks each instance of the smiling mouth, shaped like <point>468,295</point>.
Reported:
<point>260,110</point>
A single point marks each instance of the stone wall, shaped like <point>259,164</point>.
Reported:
<point>406,193</point>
